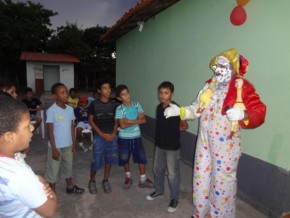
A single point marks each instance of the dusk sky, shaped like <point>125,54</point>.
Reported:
<point>86,13</point>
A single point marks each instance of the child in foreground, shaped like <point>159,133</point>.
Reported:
<point>9,89</point>
<point>22,193</point>
<point>129,115</point>
<point>61,146</point>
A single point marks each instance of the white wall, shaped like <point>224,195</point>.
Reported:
<point>34,68</point>
<point>67,74</point>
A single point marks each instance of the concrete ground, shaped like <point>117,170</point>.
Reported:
<point>119,203</point>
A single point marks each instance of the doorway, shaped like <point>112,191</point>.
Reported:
<point>51,76</point>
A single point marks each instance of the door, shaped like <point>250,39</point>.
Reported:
<point>39,85</point>
<point>50,76</point>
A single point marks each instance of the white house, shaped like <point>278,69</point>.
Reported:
<point>43,70</point>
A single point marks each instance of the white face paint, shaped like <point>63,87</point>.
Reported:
<point>223,70</point>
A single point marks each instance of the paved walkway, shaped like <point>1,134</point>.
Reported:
<point>119,203</point>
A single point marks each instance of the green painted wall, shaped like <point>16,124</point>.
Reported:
<point>178,44</point>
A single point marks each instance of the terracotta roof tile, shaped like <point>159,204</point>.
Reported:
<point>143,11</point>
<point>37,56</point>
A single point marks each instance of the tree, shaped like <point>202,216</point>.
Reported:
<point>100,63</point>
<point>23,27</point>
<point>95,56</point>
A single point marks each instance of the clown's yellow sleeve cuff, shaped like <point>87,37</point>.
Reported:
<point>182,113</point>
<point>246,122</point>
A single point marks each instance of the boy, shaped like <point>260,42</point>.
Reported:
<point>61,145</point>
<point>104,125</point>
<point>94,97</point>
<point>82,122</point>
<point>129,115</point>
<point>167,148</point>
<point>73,100</point>
<point>22,193</point>
<point>8,88</point>
<point>33,105</point>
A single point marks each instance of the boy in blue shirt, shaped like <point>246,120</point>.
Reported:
<point>61,145</point>
<point>129,115</point>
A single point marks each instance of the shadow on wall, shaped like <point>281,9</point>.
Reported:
<point>264,186</point>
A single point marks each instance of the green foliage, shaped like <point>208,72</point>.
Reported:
<point>23,27</point>
<point>68,40</point>
<point>27,27</point>
<point>95,56</point>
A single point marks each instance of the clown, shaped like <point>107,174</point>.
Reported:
<point>227,103</point>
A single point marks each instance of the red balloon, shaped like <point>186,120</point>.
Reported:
<point>238,16</point>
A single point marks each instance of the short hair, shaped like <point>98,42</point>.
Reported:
<point>11,112</point>
<point>72,90</point>
<point>120,88</point>
<point>27,89</point>
<point>166,85</point>
<point>102,82</point>
<point>55,87</point>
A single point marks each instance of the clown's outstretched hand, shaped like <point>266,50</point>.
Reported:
<point>185,113</point>
<point>172,111</point>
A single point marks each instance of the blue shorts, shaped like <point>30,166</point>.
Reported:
<point>134,146</point>
<point>104,152</point>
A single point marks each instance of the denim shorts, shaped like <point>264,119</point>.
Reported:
<point>104,152</point>
<point>134,147</point>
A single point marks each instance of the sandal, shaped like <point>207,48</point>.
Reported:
<point>75,190</point>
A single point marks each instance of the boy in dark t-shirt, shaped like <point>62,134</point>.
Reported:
<point>34,105</point>
<point>104,126</point>
<point>167,148</point>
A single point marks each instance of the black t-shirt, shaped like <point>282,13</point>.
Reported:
<point>104,115</point>
<point>32,104</point>
<point>167,130</point>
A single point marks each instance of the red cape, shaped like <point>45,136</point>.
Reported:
<point>255,108</point>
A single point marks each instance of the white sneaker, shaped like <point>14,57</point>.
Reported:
<point>153,196</point>
<point>172,206</point>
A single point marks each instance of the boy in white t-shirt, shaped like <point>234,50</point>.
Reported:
<point>22,193</point>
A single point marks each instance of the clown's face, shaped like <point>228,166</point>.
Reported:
<point>223,70</point>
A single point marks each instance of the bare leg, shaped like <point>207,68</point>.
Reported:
<point>68,181</point>
<point>142,169</point>
<point>93,175</point>
<point>107,171</point>
<point>79,134</point>
<point>127,167</point>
